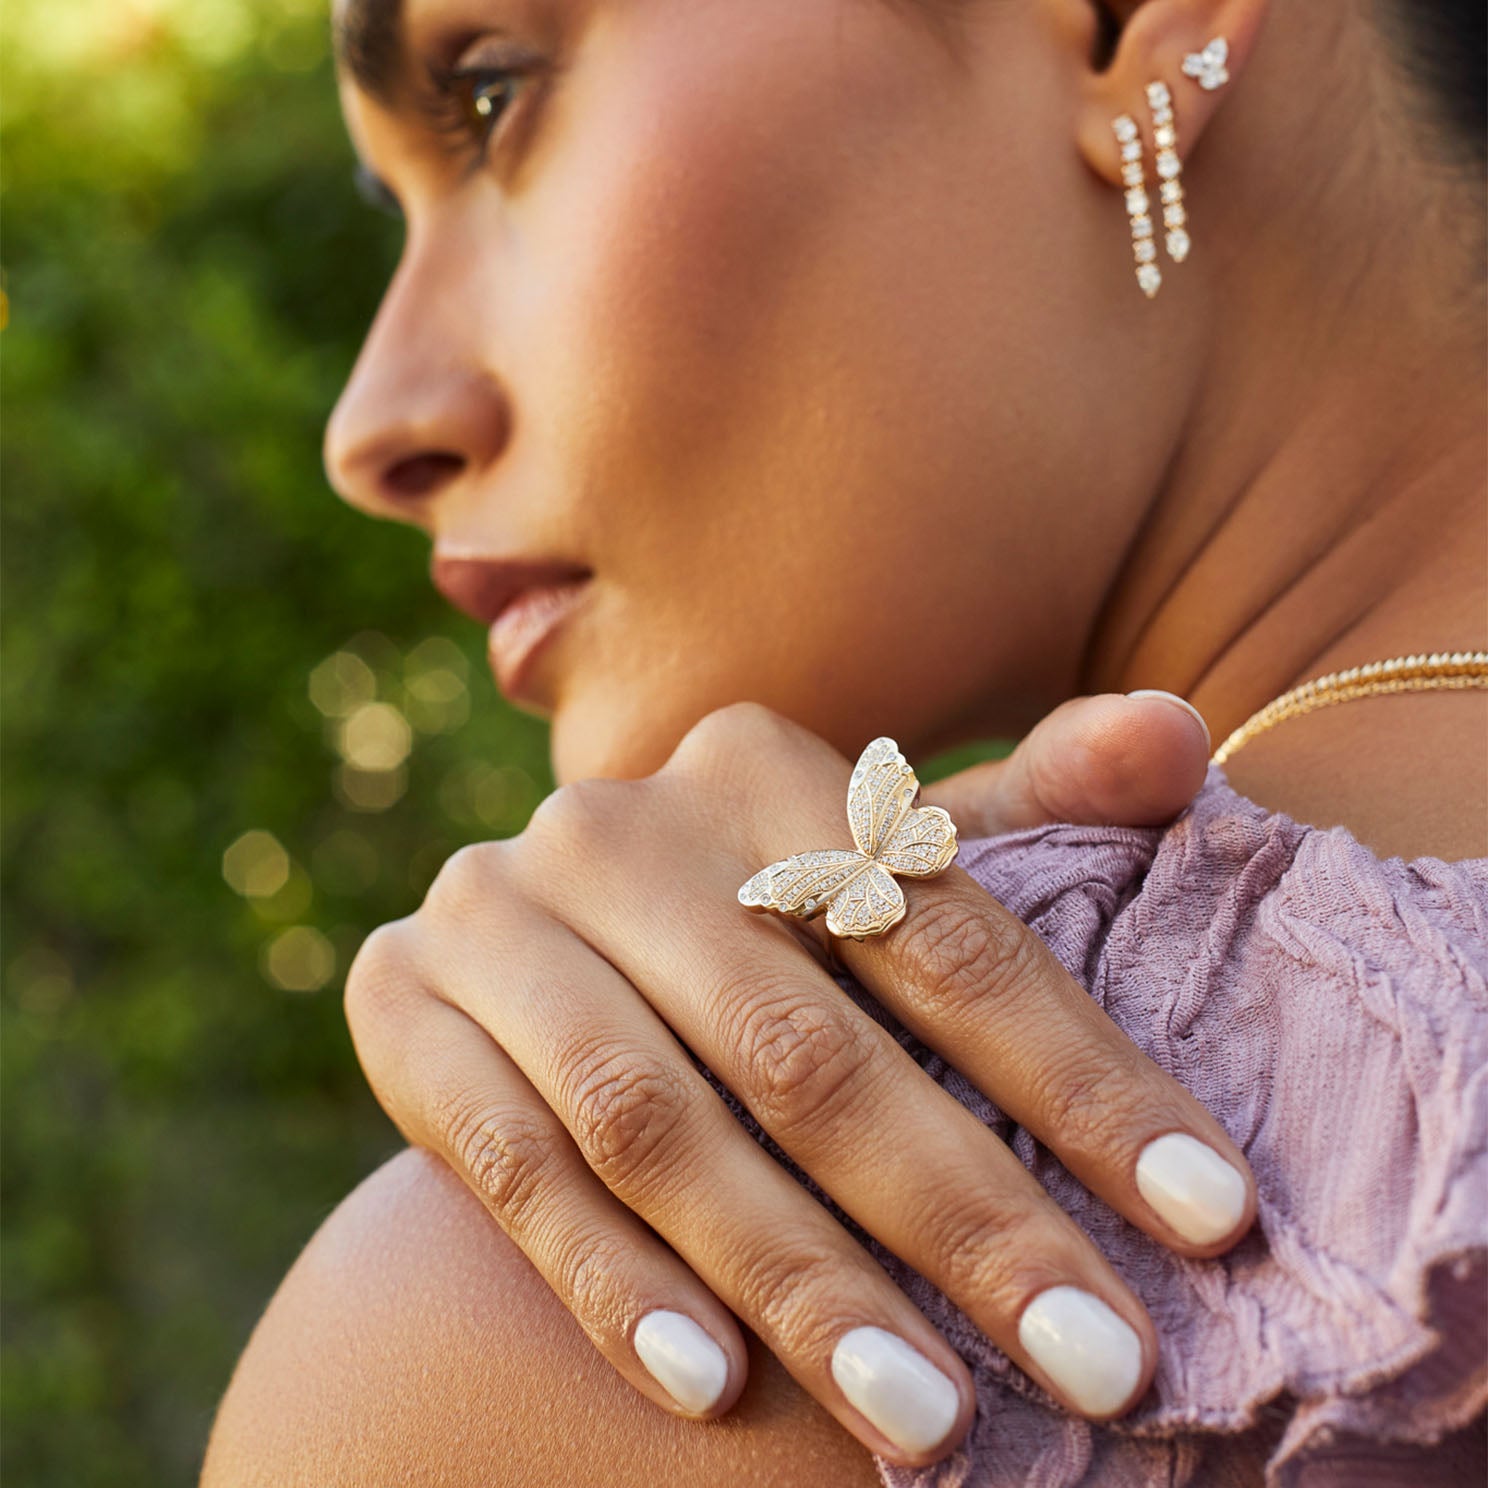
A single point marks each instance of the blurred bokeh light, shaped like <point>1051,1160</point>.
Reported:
<point>240,727</point>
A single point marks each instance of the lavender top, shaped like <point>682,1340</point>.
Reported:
<point>1331,1010</point>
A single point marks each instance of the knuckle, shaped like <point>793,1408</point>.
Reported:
<point>1082,1098</point>
<point>985,1246</point>
<point>626,1113</point>
<point>384,1003</point>
<point>508,1154</point>
<point>377,982</point>
<point>581,813</point>
<point>591,1277</point>
<point>801,1061</point>
<point>470,875</point>
<point>788,1295</point>
<point>959,955</point>
<point>725,730</point>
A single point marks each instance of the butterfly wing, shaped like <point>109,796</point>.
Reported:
<point>882,790</point>
<point>801,885</point>
<point>893,836</point>
<point>867,904</point>
<point>922,843</point>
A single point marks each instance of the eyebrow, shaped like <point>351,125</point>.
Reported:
<point>368,43</point>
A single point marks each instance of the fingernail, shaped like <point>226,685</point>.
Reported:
<point>1172,697</point>
<point>1092,1354</point>
<point>1192,1187</point>
<point>690,1367</point>
<point>896,1387</point>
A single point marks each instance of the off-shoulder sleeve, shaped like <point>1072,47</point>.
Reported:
<point>1331,1009</point>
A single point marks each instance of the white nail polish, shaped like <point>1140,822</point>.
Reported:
<point>1172,697</point>
<point>683,1358</point>
<point>1091,1353</point>
<point>896,1387</point>
<point>1192,1187</point>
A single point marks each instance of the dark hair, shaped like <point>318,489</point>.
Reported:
<point>1441,47</point>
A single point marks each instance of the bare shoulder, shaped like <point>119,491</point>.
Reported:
<point>1406,774</point>
<point>411,1342</point>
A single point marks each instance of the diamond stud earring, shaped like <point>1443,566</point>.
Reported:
<point>1208,66</point>
<point>1144,250</point>
<point>1169,167</point>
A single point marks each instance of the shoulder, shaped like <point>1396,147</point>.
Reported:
<point>412,1343</point>
<point>1407,775</point>
<point>372,1344</point>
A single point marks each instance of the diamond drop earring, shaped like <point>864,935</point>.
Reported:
<point>1144,250</point>
<point>1169,167</point>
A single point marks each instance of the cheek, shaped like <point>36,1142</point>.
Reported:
<point>774,446</point>
<point>671,237</point>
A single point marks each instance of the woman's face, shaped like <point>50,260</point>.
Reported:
<point>799,326</point>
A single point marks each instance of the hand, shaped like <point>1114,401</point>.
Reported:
<point>524,1023</point>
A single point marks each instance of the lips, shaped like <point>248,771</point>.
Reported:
<point>523,601</point>
<point>521,629</point>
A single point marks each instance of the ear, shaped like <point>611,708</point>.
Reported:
<point>1154,38</point>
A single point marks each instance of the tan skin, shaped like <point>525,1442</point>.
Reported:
<point>765,289</point>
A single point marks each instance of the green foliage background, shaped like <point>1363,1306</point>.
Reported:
<point>189,274</point>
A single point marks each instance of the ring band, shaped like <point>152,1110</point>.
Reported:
<point>892,835</point>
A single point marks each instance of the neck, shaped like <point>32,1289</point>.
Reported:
<point>1327,506</point>
<point>1320,519</point>
<point>1344,545</point>
<point>1324,504</point>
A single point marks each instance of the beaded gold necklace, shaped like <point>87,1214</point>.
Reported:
<point>1442,669</point>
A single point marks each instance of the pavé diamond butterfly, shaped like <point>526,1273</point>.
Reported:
<point>893,835</point>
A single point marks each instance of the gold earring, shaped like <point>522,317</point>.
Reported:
<point>1144,250</point>
<point>1169,168</point>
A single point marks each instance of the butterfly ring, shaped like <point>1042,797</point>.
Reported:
<point>857,888</point>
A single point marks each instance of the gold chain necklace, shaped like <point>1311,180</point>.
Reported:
<point>1442,669</point>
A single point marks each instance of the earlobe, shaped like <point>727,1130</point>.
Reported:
<point>1154,40</point>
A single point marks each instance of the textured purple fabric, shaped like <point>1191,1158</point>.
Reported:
<point>1331,1010</point>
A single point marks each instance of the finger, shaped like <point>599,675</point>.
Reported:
<point>940,1190</point>
<point>1134,760</point>
<point>460,1095</point>
<point>665,1146</point>
<point>971,979</point>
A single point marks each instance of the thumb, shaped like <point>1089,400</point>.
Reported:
<point>1133,759</point>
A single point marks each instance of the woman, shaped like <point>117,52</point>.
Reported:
<point>821,354</point>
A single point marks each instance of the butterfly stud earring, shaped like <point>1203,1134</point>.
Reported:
<point>857,888</point>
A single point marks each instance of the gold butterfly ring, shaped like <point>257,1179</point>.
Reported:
<point>892,834</point>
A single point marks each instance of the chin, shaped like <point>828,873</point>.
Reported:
<point>618,740</point>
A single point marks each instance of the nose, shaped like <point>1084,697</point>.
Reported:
<point>422,409</point>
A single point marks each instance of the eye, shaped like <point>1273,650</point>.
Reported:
<point>466,105</point>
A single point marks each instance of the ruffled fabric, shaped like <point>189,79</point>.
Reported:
<point>1331,1009</point>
